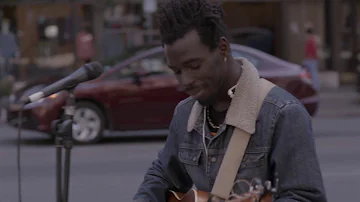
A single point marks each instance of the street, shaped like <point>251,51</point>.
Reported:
<point>112,170</point>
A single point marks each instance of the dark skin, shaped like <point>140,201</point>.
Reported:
<point>204,74</point>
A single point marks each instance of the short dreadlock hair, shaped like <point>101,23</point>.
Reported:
<point>178,17</point>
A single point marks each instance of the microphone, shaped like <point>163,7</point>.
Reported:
<point>87,72</point>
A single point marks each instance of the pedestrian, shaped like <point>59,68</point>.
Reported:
<point>9,48</point>
<point>223,98</point>
<point>311,56</point>
<point>85,45</point>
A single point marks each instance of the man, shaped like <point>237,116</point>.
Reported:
<point>311,56</point>
<point>85,44</point>
<point>197,50</point>
<point>8,48</point>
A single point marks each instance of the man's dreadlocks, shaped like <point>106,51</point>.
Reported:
<point>178,17</point>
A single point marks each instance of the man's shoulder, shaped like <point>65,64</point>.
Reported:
<point>280,98</point>
<point>280,103</point>
<point>184,106</point>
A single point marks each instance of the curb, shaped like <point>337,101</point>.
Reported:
<point>3,116</point>
<point>334,79</point>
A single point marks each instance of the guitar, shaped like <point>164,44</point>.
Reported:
<point>256,193</point>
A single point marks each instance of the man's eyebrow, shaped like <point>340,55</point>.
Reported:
<point>185,62</point>
<point>191,60</point>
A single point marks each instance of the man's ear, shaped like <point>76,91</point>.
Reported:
<point>224,46</point>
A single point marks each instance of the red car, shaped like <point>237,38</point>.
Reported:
<point>140,94</point>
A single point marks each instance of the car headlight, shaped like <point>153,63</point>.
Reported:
<point>53,96</point>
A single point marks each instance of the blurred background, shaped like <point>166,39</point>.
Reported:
<point>311,48</point>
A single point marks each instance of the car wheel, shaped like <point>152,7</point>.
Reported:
<point>88,124</point>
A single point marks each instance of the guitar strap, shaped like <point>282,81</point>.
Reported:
<point>235,152</point>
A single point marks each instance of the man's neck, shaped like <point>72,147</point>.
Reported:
<point>233,75</point>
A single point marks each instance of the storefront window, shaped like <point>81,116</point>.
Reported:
<point>124,15</point>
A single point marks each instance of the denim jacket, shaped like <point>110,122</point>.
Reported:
<point>282,143</point>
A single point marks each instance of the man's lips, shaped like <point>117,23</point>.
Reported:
<point>193,91</point>
<point>190,91</point>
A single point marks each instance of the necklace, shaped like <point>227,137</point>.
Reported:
<point>231,95</point>
<point>209,119</point>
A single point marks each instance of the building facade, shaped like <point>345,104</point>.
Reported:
<point>119,20</point>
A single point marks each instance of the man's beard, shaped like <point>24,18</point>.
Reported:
<point>211,100</point>
<point>214,97</point>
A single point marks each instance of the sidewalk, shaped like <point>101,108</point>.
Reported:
<point>55,61</point>
<point>341,102</point>
<point>333,79</point>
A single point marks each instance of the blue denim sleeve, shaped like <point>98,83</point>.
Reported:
<point>294,157</point>
<point>166,173</point>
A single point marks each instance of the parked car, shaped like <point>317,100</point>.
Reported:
<point>140,93</point>
<point>34,83</point>
<point>255,37</point>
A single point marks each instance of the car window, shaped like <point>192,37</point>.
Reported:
<point>254,60</point>
<point>152,65</point>
<point>126,54</point>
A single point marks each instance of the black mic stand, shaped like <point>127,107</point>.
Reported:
<point>63,129</point>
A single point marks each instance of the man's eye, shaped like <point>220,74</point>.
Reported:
<point>176,71</point>
<point>194,66</point>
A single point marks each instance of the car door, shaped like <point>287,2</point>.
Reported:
<point>142,95</point>
<point>124,98</point>
<point>160,95</point>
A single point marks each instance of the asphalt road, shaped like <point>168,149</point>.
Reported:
<point>112,170</point>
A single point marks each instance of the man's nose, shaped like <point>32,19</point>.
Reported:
<point>185,79</point>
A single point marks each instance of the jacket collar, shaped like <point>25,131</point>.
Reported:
<point>243,109</point>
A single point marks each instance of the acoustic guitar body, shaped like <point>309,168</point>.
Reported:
<point>201,196</point>
<point>191,196</point>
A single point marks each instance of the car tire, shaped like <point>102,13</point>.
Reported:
<point>89,122</point>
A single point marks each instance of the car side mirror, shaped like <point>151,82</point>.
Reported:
<point>136,79</point>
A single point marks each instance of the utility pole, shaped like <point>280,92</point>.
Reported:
<point>328,34</point>
<point>98,28</point>
<point>284,24</point>
<point>354,49</point>
<point>335,35</point>
<point>75,31</point>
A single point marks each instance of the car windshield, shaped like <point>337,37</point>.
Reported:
<point>126,54</point>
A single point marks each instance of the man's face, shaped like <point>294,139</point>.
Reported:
<point>200,72</point>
